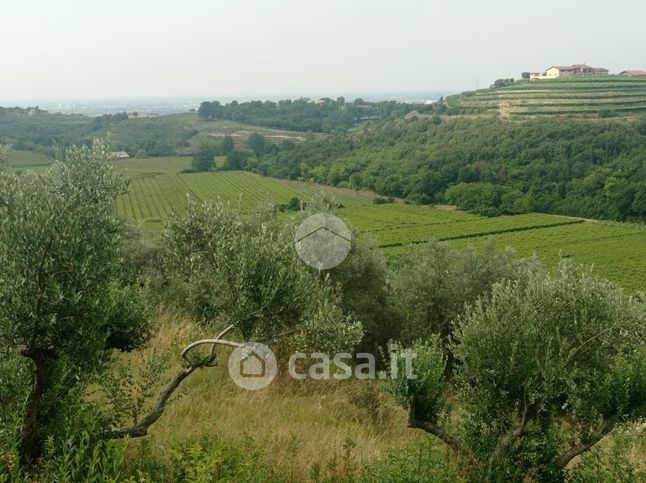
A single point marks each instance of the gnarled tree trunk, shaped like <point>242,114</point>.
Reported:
<point>31,445</point>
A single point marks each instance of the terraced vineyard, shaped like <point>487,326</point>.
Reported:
<point>581,96</point>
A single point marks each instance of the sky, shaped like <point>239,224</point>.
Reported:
<point>89,49</point>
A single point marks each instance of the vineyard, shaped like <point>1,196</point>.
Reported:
<point>28,159</point>
<point>587,96</point>
<point>396,225</point>
<point>615,250</point>
<point>158,187</point>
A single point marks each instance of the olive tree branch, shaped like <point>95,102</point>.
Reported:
<point>453,442</point>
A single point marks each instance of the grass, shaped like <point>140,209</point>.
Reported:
<point>298,423</point>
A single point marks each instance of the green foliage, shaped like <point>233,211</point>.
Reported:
<point>431,284</point>
<point>81,457</point>
<point>614,463</point>
<point>488,199</point>
<point>29,129</point>
<point>203,159</point>
<point>531,351</point>
<point>562,347</point>
<point>236,159</point>
<point>227,145</point>
<point>497,166</point>
<point>4,156</point>
<point>562,343</point>
<point>257,143</point>
<point>419,462</point>
<point>210,459</point>
<point>62,301</point>
<point>129,389</point>
<point>428,385</point>
<point>243,270</point>
<point>302,115</point>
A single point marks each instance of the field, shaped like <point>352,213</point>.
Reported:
<point>28,159</point>
<point>209,132</point>
<point>613,249</point>
<point>158,187</point>
<point>581,96</point>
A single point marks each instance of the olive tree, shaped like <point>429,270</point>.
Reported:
<point>431,284</point>
<point>545,368</point>
<point>231,268</point>
<point>62,305</point>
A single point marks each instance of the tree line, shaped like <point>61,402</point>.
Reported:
<point>324,115</point>
<point>589,168</point>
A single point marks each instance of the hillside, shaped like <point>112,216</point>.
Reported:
<point>158,187</point>
<point>580,96</point>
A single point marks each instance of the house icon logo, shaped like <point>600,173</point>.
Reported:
<point>252,366</point>
<point>323,241</point>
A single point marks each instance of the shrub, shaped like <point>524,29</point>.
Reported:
<point>545,367</point>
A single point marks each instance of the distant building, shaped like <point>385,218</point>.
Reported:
<point>576,69</point>
<point>568,70</point>
<point>142,115</point>
<point>120,154</point>
<point>633,73</point>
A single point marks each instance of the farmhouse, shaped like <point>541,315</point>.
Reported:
<point>569,70</point>
<point>633,73</point>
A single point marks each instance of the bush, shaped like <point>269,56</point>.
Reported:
<point>545,367</point>
<point>230,268</point>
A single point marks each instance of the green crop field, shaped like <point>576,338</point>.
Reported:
<point>396,224</point>
<point>28,159</point>
<point>581,96</point>
<point>613,249</point>
<point>158,187</point>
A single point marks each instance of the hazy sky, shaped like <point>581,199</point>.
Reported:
<point>79,49</point>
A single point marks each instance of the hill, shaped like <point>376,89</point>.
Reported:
<point>596,96</point>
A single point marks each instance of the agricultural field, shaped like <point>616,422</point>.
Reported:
<point>396,224</point>
<point>208,132</point>
<point>158,187</point>
<point>614,250</point>
<point>28,159</point>
<point>580,96</point>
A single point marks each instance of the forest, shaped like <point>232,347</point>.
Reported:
<point>588,168</point>
<point>39,130</point>
<point>325,115</point>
